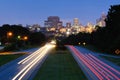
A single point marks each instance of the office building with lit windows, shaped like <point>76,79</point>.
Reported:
<point>53,21</point>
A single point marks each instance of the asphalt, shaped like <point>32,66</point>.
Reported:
<point>93,66</point>
<point>23,67</point>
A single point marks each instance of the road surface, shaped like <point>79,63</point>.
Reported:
<point>24,67</point>
<point>1,47</point>
<point>94,67</point>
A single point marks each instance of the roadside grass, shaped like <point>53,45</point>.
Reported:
<point>115,60</point>
<point>97,50</point>
<point>7,58</point>
<point>112,59</point>
<point>60,65</point>
<point>14,49</point>
<point>92,48</point>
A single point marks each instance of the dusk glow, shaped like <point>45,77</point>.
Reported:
<point>60,39</point>
<point>35,12</point>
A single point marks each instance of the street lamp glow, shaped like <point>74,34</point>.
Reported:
<point>84,43</point>
<point>18,37</point>
<point>25,38</point>
<point>9,34</point>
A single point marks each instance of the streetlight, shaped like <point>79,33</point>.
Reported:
<point>9,34</point>
<point>84,43</point>
<point>79,43</point>
<point>19,37</point>
<point>25,38</point>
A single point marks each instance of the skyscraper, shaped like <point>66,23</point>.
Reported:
<point>76,22</point>
<point>101,21</point>
<point>53,21</point>
<point>76,26</point>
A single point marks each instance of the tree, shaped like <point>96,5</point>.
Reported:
<point>37,38</point>
<point>108,38</point>
<point>16,30</point>
<point>113,20</point>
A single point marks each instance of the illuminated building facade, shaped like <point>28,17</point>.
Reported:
<point>53,21</point>
<point>34,28</point>
<point>101,21</point>
<point>76,26</point>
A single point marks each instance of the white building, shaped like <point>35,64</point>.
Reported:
<point>76,26</point>
<point>101,21</point>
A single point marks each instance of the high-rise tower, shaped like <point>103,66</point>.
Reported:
<point>76,22</point>
<point>76,26</point>
<point>53,21</point>
<point>101,21</point>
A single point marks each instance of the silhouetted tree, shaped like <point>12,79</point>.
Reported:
<point>108,38</point>
<point>37,38</point>
<point>17,30</point>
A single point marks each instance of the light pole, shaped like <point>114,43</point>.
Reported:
<point>9,35</point>
<point>25,38</point>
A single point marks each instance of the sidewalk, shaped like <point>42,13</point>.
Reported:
<point>27,51</point>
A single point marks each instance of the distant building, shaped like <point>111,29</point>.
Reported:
<point>62,30</point>
<point>76,26</point>
<point>68,25</point>
<point>34,28</point>
<point>53,21</point>
<point>101,21</point>
<point>76,22</point>
<point>89,28</point>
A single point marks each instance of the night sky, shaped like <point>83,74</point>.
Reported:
<point>36,11</point>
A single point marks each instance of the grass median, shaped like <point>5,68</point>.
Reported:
<point>115,60</point>
<point>60,65</point>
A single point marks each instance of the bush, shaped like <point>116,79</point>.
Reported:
<point>10,47</point>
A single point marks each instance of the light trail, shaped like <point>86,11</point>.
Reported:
<point>35,54</point>
<point>100,69</point>
<point>32,64</point>
<point>91,68</point>
<point>39,55</point>
<point>105,64</point>
<point>105,70</point>
<point>30,56</point>
<point>88,65</point>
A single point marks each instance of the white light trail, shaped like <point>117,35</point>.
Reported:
<point>32,64</point>
<point>30,56</point>
<point>39,54</point>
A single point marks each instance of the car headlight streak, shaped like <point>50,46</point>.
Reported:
<point>32,60</point>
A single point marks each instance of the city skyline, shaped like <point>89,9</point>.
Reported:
<point>29,12</point>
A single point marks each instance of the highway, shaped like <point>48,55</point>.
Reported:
<point>1,47</point>
<point>94,67</point>
<point>25,66</point>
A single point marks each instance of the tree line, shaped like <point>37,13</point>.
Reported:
<point>16,37</point>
